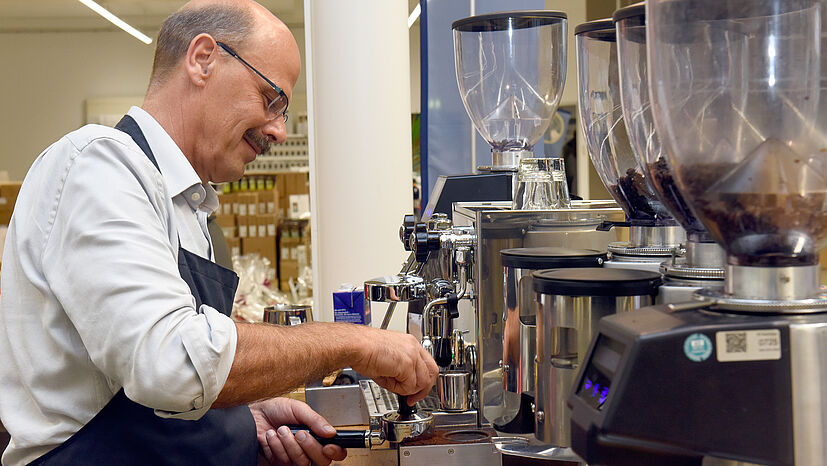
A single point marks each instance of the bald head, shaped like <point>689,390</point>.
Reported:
<point>234,22</point>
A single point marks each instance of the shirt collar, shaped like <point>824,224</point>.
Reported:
<point>176,169</point>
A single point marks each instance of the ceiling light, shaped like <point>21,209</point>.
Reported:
<point>117,21</point>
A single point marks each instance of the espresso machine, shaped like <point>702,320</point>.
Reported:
<point>654,235</point>
<point>701,264</point>
<point>737,375</point>
<point>510,74</point>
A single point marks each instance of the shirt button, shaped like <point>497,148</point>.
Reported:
<point>196,196</point>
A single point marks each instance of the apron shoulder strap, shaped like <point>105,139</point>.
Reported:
<point>129,126</point>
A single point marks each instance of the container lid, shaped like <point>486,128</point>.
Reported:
<point>603,29</point>
<point>596,282</point>
<point>508,20</point>
<point>551,258</point>
<point>631,11</point>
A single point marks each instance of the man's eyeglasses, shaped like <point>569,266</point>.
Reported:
<point>277,106</point>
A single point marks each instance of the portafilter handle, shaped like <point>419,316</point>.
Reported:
<point>343,438</point>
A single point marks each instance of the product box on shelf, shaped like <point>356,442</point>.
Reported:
<point>263,246</point>
<point>8,196</point>
<point>234,244</point>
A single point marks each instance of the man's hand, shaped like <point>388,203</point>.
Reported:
<point>280,446</point>
<point>395,361</point>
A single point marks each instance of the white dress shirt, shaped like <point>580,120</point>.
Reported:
<point>92,300</point>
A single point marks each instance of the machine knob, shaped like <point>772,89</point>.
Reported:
<point>423,242</point>
<point>406,230</point>
<point>442,352</point>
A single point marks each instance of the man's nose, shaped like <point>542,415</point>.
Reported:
<point>276,130</point>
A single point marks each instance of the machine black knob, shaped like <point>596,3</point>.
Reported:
<point>442,352</point>
<point>406,230</point>
<point>423,242</point>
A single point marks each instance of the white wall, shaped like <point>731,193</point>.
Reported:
<point>47,77</point>
<point>359,142</point>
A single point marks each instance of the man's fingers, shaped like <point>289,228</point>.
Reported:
<point>311,448</point>
<point>277,448</point>
<point>265,446</point>
<point>423,378</point>
<point>304,414</point>
<point>419,395</point>
<point>292,447</point>
<point>334,452</point>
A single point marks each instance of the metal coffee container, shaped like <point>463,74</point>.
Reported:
<point>452,389</point>
<point>519,320</point>
<point>288,314</point>
<point>569,303</point>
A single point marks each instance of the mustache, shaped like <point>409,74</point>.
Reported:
<point>260,140</point>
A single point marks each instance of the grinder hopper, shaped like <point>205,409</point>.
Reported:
<point>511,68</point>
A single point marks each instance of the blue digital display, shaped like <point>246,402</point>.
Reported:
<point>595,388</point>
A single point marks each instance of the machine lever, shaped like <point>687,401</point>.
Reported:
<point>442,353</point>
<point>453,311</point>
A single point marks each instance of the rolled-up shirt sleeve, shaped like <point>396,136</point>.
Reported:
<point>111,260</point>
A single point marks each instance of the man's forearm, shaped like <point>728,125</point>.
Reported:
<point>271,360</point>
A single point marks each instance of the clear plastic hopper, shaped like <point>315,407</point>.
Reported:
<point>511,68</point>
<point>740,105</point>
<point>601,117</point>
<point>634,91</point>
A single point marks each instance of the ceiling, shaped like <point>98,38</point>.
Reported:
<point>71,15</point>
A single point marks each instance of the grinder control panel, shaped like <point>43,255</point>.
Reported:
<point>662,386</point>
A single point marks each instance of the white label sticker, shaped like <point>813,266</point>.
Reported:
<point>748,345</point>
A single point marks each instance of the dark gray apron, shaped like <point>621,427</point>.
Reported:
<point>126,433</point>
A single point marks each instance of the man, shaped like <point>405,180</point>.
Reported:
<point>117,347</point>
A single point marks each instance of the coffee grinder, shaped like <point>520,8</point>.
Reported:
<point>654,235</point>
<point>740,106</point>
<point>702,264</point>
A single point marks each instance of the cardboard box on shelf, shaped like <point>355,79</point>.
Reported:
<point>8,192</point>
<point>271,224</point>
<point>225,204</point>
<point>234,244</point>
<point>225,220</point>
<point>252,203</point>
<point>265,247</point>
<point>299,206</point>
<point>241,204</point>
<point>5,215</point>
<point>8,196</point>
<point>252,226</point>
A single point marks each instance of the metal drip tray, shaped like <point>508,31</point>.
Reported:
<point>719,300</point>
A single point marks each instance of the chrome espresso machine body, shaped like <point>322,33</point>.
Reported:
<point>453,282</point>
<point>737,374</point>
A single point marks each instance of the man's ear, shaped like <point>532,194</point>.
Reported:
<point>200,59</point>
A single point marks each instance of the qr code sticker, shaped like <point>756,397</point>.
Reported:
<point>736,342</point>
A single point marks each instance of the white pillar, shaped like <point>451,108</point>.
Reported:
<point>359,132</point>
